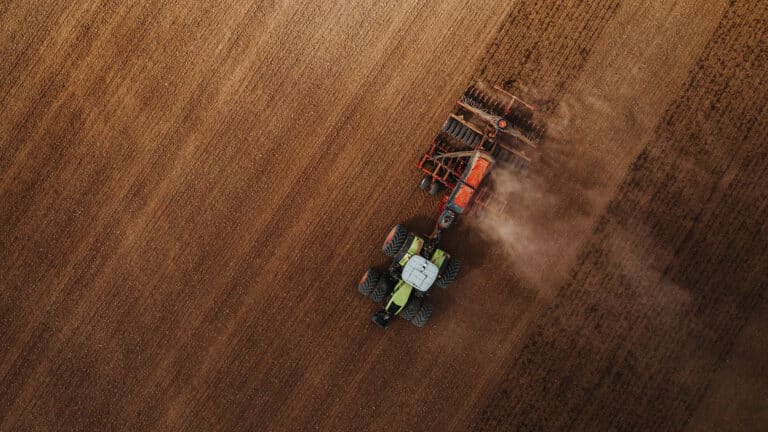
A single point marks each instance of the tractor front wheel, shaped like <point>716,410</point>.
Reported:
<point>394,240</point>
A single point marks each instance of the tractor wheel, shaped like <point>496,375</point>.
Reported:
<point>411,309</point>
<point>368,282</point>
<point>422,316</point>
<point>435,188</point>
<point>380,291</point>
<point>450,273</point>
<point>424,183</point>
<point>394,240</point>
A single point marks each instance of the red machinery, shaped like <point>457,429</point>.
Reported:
<point>488,126</point>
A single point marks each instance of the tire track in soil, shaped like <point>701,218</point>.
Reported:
<point>674,269</point>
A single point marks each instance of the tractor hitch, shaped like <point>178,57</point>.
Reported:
<point>382,318</point>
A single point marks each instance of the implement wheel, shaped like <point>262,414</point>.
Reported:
<point>424,183</point>
<point>435,188</point>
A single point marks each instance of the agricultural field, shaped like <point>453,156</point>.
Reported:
<point>189,196</point>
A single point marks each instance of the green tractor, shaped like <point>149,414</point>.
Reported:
<point>418,265</point>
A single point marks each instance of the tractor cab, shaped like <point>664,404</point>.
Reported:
<point>420,273</point>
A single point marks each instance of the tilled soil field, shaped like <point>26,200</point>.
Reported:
<point>189,195</point>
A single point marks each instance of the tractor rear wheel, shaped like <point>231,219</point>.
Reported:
<point>411,309</point>
<point>369,281</point>
<point>422,316</point>
<point>394,240</point>
<point>450,273</point>
<point>380,291</point>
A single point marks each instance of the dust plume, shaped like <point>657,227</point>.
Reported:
<point>551,209</point>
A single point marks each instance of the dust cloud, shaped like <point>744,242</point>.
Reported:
<point>551,209</point>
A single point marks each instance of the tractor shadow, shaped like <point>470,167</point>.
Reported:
<point>421,225</point>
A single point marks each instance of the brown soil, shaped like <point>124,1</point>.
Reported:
<point>190,194</point>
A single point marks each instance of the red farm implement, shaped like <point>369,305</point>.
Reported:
<point>487,127</point>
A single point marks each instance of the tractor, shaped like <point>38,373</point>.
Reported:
<point>418,265</point>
